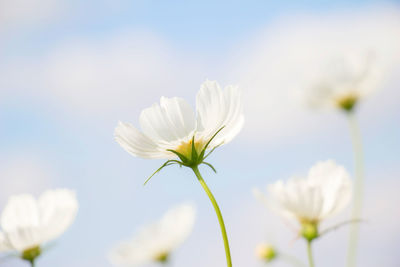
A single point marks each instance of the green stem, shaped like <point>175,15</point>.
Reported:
<point>32,263</point>
<point>309,253</point>
<point>218,212</point>
<point>358,189</point>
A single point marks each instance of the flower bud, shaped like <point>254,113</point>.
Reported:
<point>266,252</point>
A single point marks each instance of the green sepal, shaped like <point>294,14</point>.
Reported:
<point>195,156</point>
<point>208,143</point>
<point>182,157</point>
<point>167,163</point>
<point>211,166</point>
<point>211,151</point>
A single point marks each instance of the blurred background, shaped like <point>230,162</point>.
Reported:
<point>70,70</point>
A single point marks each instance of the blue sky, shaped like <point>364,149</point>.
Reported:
<point>70,70</point>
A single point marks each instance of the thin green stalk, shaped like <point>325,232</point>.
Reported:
<point>309,253</point>
<point>32,263</point>
<point>358,189</point>
<point>219,215</point>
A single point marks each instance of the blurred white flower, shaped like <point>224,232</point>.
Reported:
<point>172,124</point>
<point>154,243</point>
<point>28,223</point>
<point>343,80</point>
<point>266,252</point>
<point>323,193</point>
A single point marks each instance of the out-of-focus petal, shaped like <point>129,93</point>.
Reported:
<point>178,224</point>
<point>325,192</point>
<point>156,239</point>
<point>20,211</point>
<point>24,238</point>
<point>126,253</point>
<point>335,185</point>
<point>27,222</point>
<point>58,209</point>
<point>4,244</point>
<point>350,74</point>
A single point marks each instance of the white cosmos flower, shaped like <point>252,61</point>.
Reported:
<point>323,193</point>
<point>171,124</point>
<point>28,223</point>
<point>343,80</point>
<point>155,242</point>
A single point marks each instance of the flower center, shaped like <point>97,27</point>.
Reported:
<point>31,254</point>
<point>266,252</point>
<point>162,257</point>
<point>347,102</point>
<point>185,148</point>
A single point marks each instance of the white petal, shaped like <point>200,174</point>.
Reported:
<point>273,203</point>
<point>347,74</point>
<point>58,209</point>
<point>314,204</point>
<point>27,222</point>
<point>136,143</point>
<point>158,238</point>
<point>325,192</point>
<point>335,185</point>
<point>126,253</point>
<point>217,109</point>
<point>4,244</point>
<point>177,224</point>
<point>23,238</point>
<point>21,211</point>
<point>170,121</point>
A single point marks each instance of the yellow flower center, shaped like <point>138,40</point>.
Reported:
<point>185,148</point>
<point>347,102</point>
<point>161,257</point>
<point>31,254</point>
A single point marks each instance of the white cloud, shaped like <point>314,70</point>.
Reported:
<point>119,72</point>
<point>25,13</point>
<point>129,69</point>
